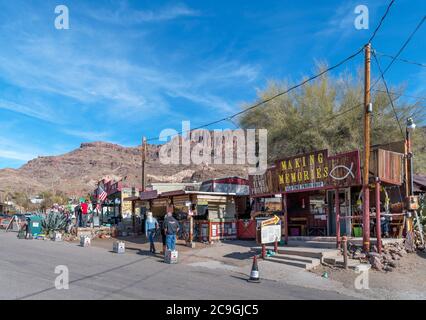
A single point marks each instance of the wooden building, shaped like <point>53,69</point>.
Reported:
<point>321,194</point>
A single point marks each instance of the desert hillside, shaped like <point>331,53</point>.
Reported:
<point>77,172</point>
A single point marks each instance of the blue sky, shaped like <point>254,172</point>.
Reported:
<point>130,68</point>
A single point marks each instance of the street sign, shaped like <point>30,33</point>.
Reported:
<point>273,221</point>
<point>270,234</point>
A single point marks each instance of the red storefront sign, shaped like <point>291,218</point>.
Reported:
<point>306,172</point>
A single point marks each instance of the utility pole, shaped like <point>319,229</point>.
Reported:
<point>368,108</point>
<point>143,162</point>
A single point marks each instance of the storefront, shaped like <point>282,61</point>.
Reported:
<point>214,214</point>
<point>307,185</point>
<point>116,207</point>
<point>322,194</point>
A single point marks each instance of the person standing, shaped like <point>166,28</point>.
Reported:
<point>163,234</point>
<point>84,211</point>
<point>78,216</point>
<point>171,229</point>
<point>151,227</point>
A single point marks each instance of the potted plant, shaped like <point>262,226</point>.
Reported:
<point>53,222</point>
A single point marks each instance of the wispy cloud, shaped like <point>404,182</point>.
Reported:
<point>87,135</point>
<point>16,150</point>
<point>124,16</point>
<point>34,111</point>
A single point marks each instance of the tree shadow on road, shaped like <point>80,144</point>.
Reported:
<point>241,255</point>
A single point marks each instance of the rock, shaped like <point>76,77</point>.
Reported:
<point>395,257</point>
<point>388,269</point>
<point>376,263</point>
<point>374,254</point>
<point>392,264</point>
<point>388,257</point>
<point>359,256</point>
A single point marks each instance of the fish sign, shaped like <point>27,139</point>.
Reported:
<point>344,170</point>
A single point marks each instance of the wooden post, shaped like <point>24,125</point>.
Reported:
<point>276,246</point>
<point>345,251</point>
<point>133,217</point>
<point>367,115</point>
<point>337,209</point>
<point>143,154</point>
<point>285,208</point>
<point>378,225</point>
<point>263,251</point>
<point>191,229</point>
<point>210,232</point>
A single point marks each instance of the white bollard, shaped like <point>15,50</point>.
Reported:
<point>85,241</point>
<point>119,247</point>
<point>57,236</point>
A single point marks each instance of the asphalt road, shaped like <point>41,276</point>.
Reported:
<point>27,272</point>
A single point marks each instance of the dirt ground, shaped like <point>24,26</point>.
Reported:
<point>407,281</point>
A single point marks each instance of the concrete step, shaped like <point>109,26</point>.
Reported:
<point>313,244</point>
<point>295,261</point>
<point>317,253</point>
<point>338,261</point>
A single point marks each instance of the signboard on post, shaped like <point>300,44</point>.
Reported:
<point>270,234</point>
<point>263,184</point>
<point>270,230</point>
<point>303,172</point>
<point>273,221</point>
<point>310,171</point>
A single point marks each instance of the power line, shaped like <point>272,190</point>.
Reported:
<point>400,49</point>
<point>387,92</point>
<point>381,21</point>
<point>273,97</point>
<point>400,94</point>
<point>343,112</point>
<point>400,59</point>
<point>295,86</point>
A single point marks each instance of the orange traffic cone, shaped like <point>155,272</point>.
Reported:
<point>254,274</point>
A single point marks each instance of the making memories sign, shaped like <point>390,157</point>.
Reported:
<point>307,171</point>
<point>310,171</point>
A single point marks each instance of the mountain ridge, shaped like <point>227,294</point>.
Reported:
<point>77,171</point>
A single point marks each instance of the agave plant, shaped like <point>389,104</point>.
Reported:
<point>53,221</point>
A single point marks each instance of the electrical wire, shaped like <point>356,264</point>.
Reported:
<point>387,92</point>
<point>400,59</point>
<point>400,94</point>
<point>353,55</point>
<point>381,21</point>
<point>400,50</point>
<point>273,97</point>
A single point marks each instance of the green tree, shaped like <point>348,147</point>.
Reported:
<point>328,114</point>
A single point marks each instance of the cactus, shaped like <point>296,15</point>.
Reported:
<point>53,221</point>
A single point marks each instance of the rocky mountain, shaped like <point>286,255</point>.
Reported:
<point>78,171</point>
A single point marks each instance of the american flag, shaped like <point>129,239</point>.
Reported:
<point>101,194</point>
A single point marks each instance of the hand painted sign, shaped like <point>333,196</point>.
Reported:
<point>344,170</point>
<point>306,171</point>
<point>270,234</point>
<point>311,171</point>
<point>273,221</point>
<point>264,183</point>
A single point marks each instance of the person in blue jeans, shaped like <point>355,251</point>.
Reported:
<point>171,228</point>
<point>151,227</point>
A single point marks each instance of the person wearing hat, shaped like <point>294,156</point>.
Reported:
<point>151,227</point>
